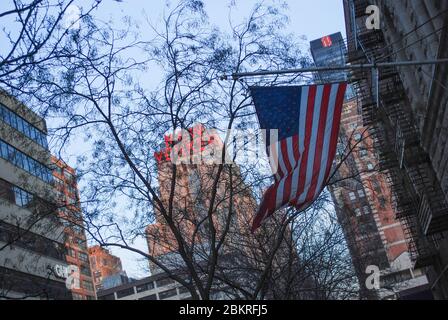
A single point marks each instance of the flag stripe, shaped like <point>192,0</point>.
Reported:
<point>336,124</point>
<point>308,127</point>
<point>304,103</point>
<point>281,162</point>
<point>328,132</point>
<point>320,125</point>
<point>290,151</point>
<point>312,144</point>
<point>285,154</point>
<point>302,117</point>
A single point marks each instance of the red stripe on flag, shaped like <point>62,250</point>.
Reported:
<point>335,130</point>
<point>287,189</point>
<point>284,155</point>
<point>294,149</point>
<point>267,207</point>
<point>296,154</point>
<point>308,128</point>
<point>295,146</point>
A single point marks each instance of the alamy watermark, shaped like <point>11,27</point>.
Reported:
<point>373,20</point>
<point>205,146</point>
<point>373,280</point>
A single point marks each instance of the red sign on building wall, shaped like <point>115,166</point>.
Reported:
<point>326,41</point>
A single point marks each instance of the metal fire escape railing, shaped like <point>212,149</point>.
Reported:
<point>419,201</point>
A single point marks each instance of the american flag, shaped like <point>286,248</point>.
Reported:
<point>307,119</point>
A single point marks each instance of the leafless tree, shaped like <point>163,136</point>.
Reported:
<point>33,36</point>
<point>95,87</point>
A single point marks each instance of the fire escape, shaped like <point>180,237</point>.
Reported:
<point>417,196</point>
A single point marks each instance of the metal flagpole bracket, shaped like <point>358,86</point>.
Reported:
<point>237,76</point>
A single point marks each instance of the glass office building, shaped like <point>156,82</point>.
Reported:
<point>331,51</point>
<point>32,251</point>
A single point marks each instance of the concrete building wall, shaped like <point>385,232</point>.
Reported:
<point>32,237</point>
<point>27,261</point>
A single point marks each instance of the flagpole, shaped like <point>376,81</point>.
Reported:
<point>236,76</point>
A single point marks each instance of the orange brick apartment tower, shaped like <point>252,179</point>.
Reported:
<point>103,264</point>
<point>191,200</point>
<point>76,243</point>
<point>363,202</point>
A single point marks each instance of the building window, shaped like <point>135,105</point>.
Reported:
<point>363,153</point>
<point>376,186</point>
<point>72,201</point>
<point>396,278</point>
<point>357,136</point>
<point>164,282</point>
<point>125,292</point>
<point>85,271</point>
<point>352,196</point>
<point>382,202</point>
<point>93,262</point>
<point>81,243</point>
<point>58,170</point>
<point>340,149</point>
<point>358,212</point>
<point>83,257</point>
<point>366,209</point>
<point>167,294</point>
<point>77,296</point>
<point>70,178</point>
<point>110,296</point>
<point>6,191</point>
<point>361,193</point>
<point>72,190</point>
<point>58,183</point>
<point>370,166</point>
<point>23,126</point>
<point>31,241</point>
<point>183,290</point>
<point>87,285</point>
<point>21,160</point>
<point>22,197</point>
<point>77,229</point>
<point>71,252</point>
<point>145,287</point>
<point>150,297</point>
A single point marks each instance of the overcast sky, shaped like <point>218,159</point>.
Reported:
<point>310,18</point>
